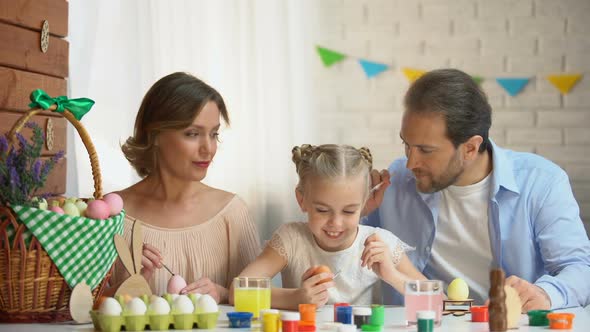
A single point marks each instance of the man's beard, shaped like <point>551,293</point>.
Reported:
<point>448,178</point>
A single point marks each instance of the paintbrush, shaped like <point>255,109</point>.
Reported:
<point>168,269</point>
<point>375,188</point>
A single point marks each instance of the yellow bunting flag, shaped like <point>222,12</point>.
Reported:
<point>564,83</point>
<point>413,74</point>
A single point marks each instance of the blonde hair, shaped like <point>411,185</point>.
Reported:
<point>332,161</point>
<point>173,102</point>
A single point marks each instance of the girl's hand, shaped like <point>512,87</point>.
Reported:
<point>206,286</point>
<point>377,257</point>
<point>376,197</point>
<point>311,290</point>
<point>151,259</point>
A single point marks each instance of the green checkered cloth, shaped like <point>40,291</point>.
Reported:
<point>82,249</point>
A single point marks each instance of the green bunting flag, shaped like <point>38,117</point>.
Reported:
<point>330,57</point>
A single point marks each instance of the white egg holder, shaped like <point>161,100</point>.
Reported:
<point>178,321</point>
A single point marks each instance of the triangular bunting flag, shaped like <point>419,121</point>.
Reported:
<point>372,68</point>
<point>330,57</point>
<point>413,74</point>
<point>564,83</point>
<point>513,85</point>
<point>477,79</point>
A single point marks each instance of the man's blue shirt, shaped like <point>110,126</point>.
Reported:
<point>534,223</point>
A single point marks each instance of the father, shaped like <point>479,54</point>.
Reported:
<point>467,205</point>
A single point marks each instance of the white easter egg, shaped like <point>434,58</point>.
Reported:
<point>183,305</point>
<point>110,307</point>
<point>136,307</point>
<point>206,304</point>
<point>159,306</point>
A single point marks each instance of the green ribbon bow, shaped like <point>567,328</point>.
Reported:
<point>78,107</point>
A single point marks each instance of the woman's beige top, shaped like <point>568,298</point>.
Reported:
<point>219,248</point>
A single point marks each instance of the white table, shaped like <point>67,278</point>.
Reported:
<point>394,320</point>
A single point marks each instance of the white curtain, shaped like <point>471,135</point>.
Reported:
<point>256,53</point>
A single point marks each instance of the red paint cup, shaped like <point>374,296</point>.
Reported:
<point>479,314</point>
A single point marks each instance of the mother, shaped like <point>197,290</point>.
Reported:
<point>202,233</point>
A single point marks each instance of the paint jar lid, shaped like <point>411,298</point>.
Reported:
<point>290,316</point>
<point>239,315</point>
<point>347,328</point>
<point>344,310</point>
<point>361,311</point>
<point>330,326</point>
<point>538,317</point>
<point>306,328</point>
<point>425,314</point>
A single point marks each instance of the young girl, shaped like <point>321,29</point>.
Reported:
<point>334,184</point>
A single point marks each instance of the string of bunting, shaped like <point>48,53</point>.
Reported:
<point>512,85</point>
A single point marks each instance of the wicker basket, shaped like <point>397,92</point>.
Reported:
<point>32,290</point>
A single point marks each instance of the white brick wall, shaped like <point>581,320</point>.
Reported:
<point>496,38</point>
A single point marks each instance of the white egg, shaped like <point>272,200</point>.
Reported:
<point>154,298</point>
<point>110,307</point>
<point>194,297</point>
<point>183,305</point>
<point>136,307</point>
<point>206,304</point>
<point>159,306</point>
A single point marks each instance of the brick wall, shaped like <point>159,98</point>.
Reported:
<point>488,38</point>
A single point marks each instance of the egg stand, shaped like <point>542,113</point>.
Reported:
<point>457,307</point>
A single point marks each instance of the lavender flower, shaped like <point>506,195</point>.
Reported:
<point>14,179</point>
<point>21,170</point>
<point>37,170</point>
<point>3,144</point>
<point>22,141</point>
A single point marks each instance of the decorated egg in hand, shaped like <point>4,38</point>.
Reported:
<point>176,284</point>
<point>322,269</point>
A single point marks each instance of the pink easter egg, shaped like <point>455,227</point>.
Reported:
<point>97,209</point>
<point>115,203</point>
<point>56,209</point>
<point>176,284</point>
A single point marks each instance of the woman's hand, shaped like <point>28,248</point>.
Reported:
<point>378,257</point>
<point>206,286</point>
<point>311,290</point>
<point>151,259</point>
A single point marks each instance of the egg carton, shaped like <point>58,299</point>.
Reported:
<point>107,323</point>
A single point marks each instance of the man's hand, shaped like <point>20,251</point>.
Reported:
<point>376,197</point>
<point>531,296</point>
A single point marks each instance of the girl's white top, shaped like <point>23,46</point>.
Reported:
<point>355,284</point>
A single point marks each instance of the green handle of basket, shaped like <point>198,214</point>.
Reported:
<point>40,100</point>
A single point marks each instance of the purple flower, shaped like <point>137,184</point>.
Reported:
<point>31,125</point>
<point>3,144</point>
<point>22,141</point>
<point>14,178</point>
<point>37,170</point>
<point>56,157</point>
